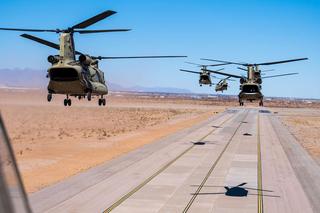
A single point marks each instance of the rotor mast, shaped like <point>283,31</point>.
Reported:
<point>67,48</point>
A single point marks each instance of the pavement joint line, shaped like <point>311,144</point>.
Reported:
<point>126,196</point>
<point>213,166</point>
<point>259,169</point>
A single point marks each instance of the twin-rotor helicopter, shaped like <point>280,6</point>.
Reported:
<point>250,85</point>
<point>80,77</point>
<point>205,75</point>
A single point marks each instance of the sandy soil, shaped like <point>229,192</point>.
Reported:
<point>304,124</point>
<point>53,142</point>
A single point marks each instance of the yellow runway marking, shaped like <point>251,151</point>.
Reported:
<point>259,175</point>
<point>125,197</point>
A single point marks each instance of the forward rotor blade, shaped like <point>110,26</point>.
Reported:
<point>190,71</point>
<point>281,62</point>
<point>94,19</point>
<point>274,76</point>
<point>28,30</point>
<point>225,62</point>
<point>225,74</point>
<point>101,31</point>
<point>41,41</point>
<point>137,57</point>
<point>44,42</point>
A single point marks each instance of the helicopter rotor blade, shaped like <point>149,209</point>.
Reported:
<point>274,76</point>
<point>41,41</point>
<point>94,19</point>
<point>225,74</point>
<point>194,63</point>
<point>101,31</point>
<point>268,70</point>
<point>281,62</point>
<point>190,71</point>
<point>29,30</point>
<point>44,42</point>
<point>137,57</point>
<point>225,62</point>
<point>240,68</point>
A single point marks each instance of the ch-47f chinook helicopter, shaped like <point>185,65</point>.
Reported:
<point>250,85</point>
<point>222,85</point>
<point>71,77</point>
<point>205,78</point>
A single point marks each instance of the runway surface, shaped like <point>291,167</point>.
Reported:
<point>243,160</point>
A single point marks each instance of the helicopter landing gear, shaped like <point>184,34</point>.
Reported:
<point>200,85</point>
<point>261,103</point>
<point>102,101</point>
<point>89,96</point>
<point>49,97</point>
<point>67,101</point>
<point>241,103</point>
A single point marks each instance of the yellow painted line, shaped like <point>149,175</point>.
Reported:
<point>125,197</point>
<point>260,192</point>
<point>186,209</point>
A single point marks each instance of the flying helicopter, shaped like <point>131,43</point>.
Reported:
<point>250,85</point>
<point>77,77</point>
<point>204,74</point>
<point>222,85</point>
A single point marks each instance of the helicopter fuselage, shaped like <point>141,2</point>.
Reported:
<point>75,79</point>
<point>205,79</point>
<point>250,92</point>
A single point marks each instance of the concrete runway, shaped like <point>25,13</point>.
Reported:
<point>191,171</point>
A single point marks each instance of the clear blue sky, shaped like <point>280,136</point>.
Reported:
<point>249,31</point>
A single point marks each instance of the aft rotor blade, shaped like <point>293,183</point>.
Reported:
<point>94,19</point>
<point>281,62</point>
<point>101,31</point>
<point>268,70</point>
<point>225,62</point>
<point>190,71</point>
<point>274,76</point>
<point>240,68</point>
<point>225,74</point>
<point>28,30</point>
<point>137,57</point>
<point>44,42</point>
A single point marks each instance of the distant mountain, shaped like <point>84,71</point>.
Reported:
<point>23,78</point>
<point>31,78</point>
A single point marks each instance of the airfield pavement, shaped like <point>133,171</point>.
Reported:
<point>187,156</point>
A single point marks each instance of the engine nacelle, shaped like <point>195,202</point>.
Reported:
<point>85,60</point>
<point>53,59</point>
<point>259,81</point>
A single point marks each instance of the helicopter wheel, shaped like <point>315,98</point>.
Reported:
<point>69,102</point>
<point>65,102</point>
<point>89,96</point>
<point>261,103</point>
<point>49,97</point>
<point>102,101</point>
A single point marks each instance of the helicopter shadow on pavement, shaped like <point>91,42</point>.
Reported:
<point>236,191</point>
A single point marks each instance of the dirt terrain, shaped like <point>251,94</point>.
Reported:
<point>304,124</point>
<point>53,142</point>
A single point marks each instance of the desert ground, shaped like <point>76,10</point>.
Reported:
<point>304,124</point>
<point>53,142</point>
